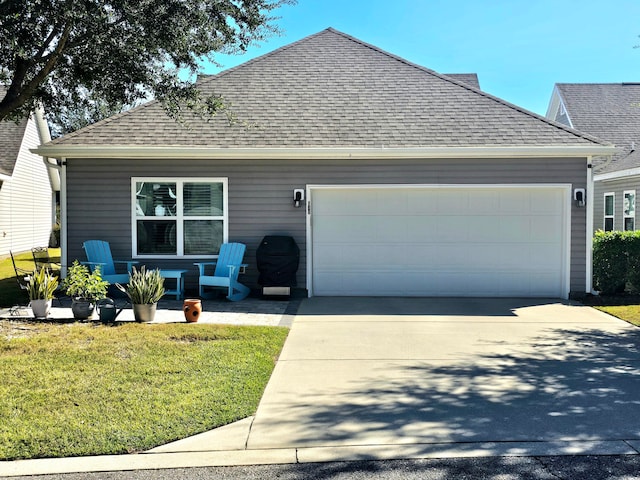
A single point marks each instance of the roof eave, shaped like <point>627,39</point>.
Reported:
<point>157,152</point>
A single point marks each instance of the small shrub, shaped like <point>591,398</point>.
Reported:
<point>633,260</point>
<point>616,261</point>
<point>609,262</point>
<point>80,283</point>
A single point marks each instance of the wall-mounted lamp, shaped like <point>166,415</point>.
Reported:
<point>579,197</point>
<point>298,196</point>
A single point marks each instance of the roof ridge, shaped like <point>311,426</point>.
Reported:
<point>475,90</point>
<point>264,56</point>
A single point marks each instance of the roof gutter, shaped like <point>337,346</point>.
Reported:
<point>5,178</point>
<point>157,152</point>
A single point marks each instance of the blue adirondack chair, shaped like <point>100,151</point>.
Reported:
<point>227,269</point>
<point>99,255</point>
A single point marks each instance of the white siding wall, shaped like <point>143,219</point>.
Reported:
<point>26,200</point>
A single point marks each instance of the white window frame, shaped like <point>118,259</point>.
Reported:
<point>604,211</point>
<point>624,213</point>
<point>179,217</point>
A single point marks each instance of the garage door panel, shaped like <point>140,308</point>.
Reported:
<point>420,202</point>
<point>515,202</point>
<point>452,228</point>
<point>514,228</point>
<point>544,229</point>
<point>485,202</point>
<point>547,203</point>
<point>452,202</point>
<point>440,241</point>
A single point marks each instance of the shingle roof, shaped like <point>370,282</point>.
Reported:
<point>468,78</point>
<point>610,111</point>
<point>11,135</point>
<point>332,90</point>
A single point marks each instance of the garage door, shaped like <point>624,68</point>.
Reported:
<point>439,241</point>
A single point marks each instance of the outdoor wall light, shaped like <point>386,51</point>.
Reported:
<point>298,196</point>
<point>579,197</point>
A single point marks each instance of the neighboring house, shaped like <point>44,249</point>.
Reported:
<point>415,183</point>
<point>27,186</point>
<point>610,111</point>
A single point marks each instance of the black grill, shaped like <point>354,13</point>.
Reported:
<point>277,259</point>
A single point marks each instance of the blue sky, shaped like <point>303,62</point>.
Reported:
<point>518,48</point>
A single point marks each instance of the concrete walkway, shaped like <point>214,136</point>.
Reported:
<point>421,378</point>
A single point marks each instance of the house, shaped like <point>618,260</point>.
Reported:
<point>610,111</point>
<point>27,185</point>
<point>414,183</point>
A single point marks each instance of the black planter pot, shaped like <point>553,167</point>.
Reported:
<point>82,309</point>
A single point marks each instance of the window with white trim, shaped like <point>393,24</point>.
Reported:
<point>609,209</point>
<point>179,217</point>
<point>629,210</point>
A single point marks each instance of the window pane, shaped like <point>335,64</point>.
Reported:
<point>156,236</point>
<point>608,224</point>
<point>629,207</point>
<point>203,199</point>
<point>629,223</point>
<point>608,205</point>
<point>155,199</point>
<point>202,237</point>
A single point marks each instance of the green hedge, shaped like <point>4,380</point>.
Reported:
<point>616,261</point>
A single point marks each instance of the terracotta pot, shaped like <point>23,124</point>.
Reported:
<point>192,309</point>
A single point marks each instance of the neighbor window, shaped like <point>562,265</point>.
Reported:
<point>609,209</point>
<point>629,210</point>
<point>179,217</point>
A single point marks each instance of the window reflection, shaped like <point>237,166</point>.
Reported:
<point>156,199</point>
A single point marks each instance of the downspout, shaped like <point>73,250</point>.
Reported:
<point>590,197</point>
<point>63,216</point>
<point>52,167</point>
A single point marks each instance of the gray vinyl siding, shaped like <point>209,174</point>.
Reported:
<point>618,187</point>
<point>260,196</point>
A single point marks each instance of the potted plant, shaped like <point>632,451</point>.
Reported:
<point>85,288</point>
<point>145,289</point>
<point>41,287</point>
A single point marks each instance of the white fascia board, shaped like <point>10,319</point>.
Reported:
<point>602,177</point>
<point>142,152</point>
<point>5,178</point>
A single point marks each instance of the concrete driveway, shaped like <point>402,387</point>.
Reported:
<point>441,376</point>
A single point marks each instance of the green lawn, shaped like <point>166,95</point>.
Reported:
<point>628,313</point>
<point>87,389</point>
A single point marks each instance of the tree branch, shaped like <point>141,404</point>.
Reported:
<point>20,92</point>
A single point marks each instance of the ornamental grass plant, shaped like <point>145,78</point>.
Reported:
<point>145,287</point>
<point>42,285</point>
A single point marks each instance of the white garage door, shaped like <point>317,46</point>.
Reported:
<point>439,241</point>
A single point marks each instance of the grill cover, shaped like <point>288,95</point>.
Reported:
<point>277,260</point>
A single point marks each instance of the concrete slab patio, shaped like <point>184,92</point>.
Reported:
<point>251,311</point>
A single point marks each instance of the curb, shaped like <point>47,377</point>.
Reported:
<point>228,458</point>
